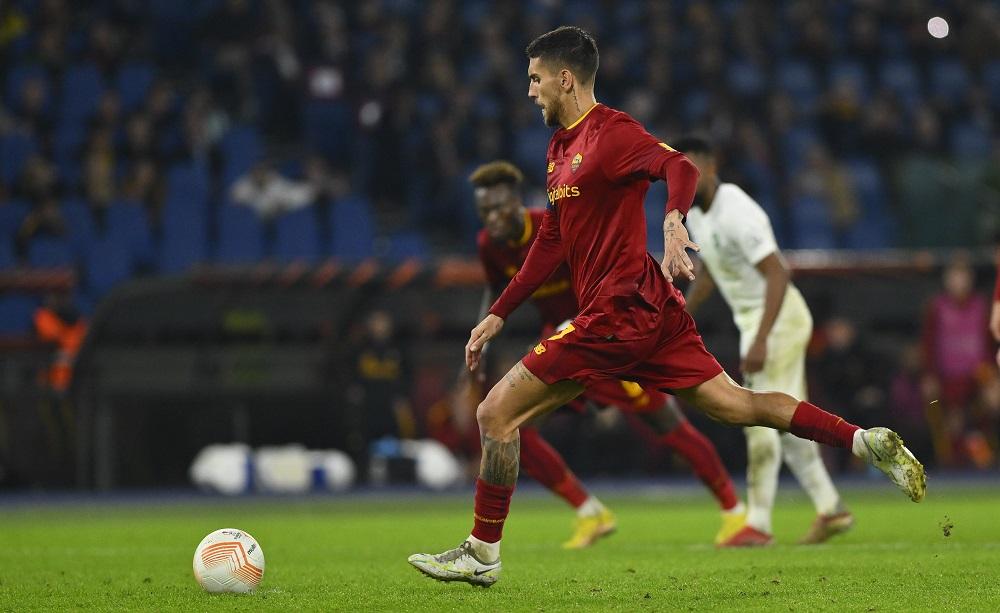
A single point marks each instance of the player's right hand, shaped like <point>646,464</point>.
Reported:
<point>480,335</point>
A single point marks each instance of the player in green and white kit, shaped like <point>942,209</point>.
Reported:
<point>741,257</point>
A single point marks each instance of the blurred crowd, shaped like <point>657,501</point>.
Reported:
<point>828,113</point>
<point>146,136</point>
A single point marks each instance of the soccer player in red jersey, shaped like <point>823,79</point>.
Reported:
<point>508,232</point>
<point>632,324</point>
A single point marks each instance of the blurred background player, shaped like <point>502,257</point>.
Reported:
<point>741,256</point>
<point>508,232</point>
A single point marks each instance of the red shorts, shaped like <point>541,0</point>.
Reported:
<point>674,357</point>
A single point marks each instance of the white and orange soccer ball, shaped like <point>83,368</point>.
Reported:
<point>228,560</point>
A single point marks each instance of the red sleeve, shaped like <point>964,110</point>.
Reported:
<point>544,256</point>
<point>630,152</point>
<point>494,276</point>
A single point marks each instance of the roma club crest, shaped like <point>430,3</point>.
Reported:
<point>577,160</point>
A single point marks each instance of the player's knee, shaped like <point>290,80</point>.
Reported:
<point>492,422</point>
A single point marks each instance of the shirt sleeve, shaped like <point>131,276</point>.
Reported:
<point>753,235</point>
<point>494,275</point>
<point>629,152</point>
<point>544,256</point>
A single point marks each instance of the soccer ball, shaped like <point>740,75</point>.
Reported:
<point>228,560</point>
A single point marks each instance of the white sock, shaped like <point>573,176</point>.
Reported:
<point>737,510</point>
<point>858,446</point>
<point>763,465</point>
<point>806,464</point>
<point>590,507</point>
<point>487,552</point>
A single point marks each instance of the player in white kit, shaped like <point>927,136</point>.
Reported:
<point>741,257</point>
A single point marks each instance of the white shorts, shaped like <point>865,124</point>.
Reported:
<point>785,364</point>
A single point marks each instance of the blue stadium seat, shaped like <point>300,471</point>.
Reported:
<point>241,236</point>
<point>132,83</point>
<point>12,213</point>
<point>352,229</point>
<point>80,221</point>
<point>16,78</point>
<point>949,80</point>
<point>811,227</point>
<point>849,70</point>
<point>108,263</point>
<point>406,245</point>
<point>241,147</point>
<point>183,246</point>
<point>970,141</point>
<point>188,186</point>
<point>326,126</point>
<point>746,78</point>
<point>15,149</point>
<point>128,224</point>
<point>902,78</point>
<point>796,78</point>
<point>795,144</point>
<point>82,87</point>
<point>17,314</point>
<point>991,81</point>
<point>296,237</point>
<point>50,252</point>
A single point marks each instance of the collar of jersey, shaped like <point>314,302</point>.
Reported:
<point>526,235</point>
<point>582,117</point>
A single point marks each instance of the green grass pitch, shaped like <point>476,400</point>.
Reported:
<point>350,555</point>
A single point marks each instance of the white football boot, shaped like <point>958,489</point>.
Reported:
<point>459,564</point>
<point>884,450</point>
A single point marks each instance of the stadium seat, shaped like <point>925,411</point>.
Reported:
<point>811,226</point>
<point>326,125</point>
<point>991,81</point>
<point>240,236</point>
<point>745,78</point>
<point>406,245</point>
<point>79,219</point>
<point>796,144</point>
<point>352,230</point>
<point>108,263</point>
<point>241,147</point>
<point>12,213</point>
<point>132,84</point>
<point>17,314</point>
<point>902,78</point>
<point>82,87</point>
<point>50,252</point>
<point>852,71</point>
<point>970,141</point>
<point>18,75</point>
<point>15,149</point>
<point>949,80</point>
<point>296,237</point>
<point>188,187</point>
<point>796,78</point>
<point>182,247</point>
<point>128,224</point>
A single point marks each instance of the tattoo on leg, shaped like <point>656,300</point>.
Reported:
<point>500,461</point>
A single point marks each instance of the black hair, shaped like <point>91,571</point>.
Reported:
<point>568,46</point>
<point>693,144</point>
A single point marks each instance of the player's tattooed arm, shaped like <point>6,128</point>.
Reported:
<point>500,461</point>
<point>675,245</point>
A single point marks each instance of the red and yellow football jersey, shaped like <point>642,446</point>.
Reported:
<point>502,259</point>
<point>599,170</point>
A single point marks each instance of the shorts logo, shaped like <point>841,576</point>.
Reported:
<point>539,349</point>
<point>552,166</point>
<point>666,146</point>
<point>577,160</point>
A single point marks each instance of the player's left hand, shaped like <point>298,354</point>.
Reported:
<point>753,361</point>
<point>480,335</point>
<point>676,242</point>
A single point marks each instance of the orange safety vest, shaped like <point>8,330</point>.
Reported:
<point>67,337</point>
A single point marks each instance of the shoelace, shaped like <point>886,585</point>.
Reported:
<point>456,553</point>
